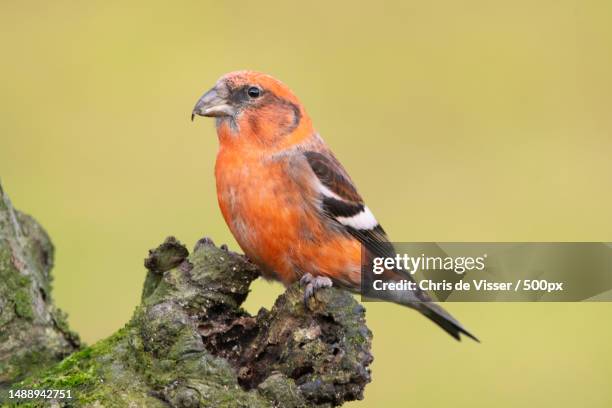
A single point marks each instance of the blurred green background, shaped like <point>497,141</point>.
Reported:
<point>459,121</point>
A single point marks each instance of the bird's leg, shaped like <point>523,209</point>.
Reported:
<point>312,284</point>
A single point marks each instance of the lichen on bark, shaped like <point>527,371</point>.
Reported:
<point>33,332</point>
<point>190,344</point>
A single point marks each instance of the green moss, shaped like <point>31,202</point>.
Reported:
<point>72,373</point>
<point>25,404</point>
<point>5,259</point>
<point>15,287</point>
<point>151,282</point>
<point>77,371</point>
<point>61,321</point>
<point>23,304</point>
<point>30,362</point>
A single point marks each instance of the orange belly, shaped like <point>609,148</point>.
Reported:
<point>276,225</point>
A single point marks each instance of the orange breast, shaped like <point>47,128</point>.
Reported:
<point>276,224</point>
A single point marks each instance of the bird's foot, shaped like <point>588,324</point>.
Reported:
<point>313,284</point>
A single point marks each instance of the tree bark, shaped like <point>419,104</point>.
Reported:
<point>189,343</point>
<point>33,333</point>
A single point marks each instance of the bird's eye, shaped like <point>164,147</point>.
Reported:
<point>254,92</point>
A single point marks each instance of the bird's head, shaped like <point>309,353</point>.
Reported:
<point>255,108</point>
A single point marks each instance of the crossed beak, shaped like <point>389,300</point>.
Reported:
<point>213,103</point>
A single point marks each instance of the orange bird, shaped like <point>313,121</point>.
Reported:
<point>288,201</point>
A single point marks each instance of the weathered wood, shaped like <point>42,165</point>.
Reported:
<point>189,343</point>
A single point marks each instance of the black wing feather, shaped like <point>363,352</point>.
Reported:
<point>349,203</point>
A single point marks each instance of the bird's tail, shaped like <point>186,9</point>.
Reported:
<point>443,319</point>
<point>421,301</point>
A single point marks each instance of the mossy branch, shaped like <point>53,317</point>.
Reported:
<point>33,332</point>
<point>189,343</point>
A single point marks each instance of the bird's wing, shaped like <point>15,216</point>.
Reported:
<point>341,202</point>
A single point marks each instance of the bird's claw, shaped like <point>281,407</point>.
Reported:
<point>313,284</point>
<point>305,279</point>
